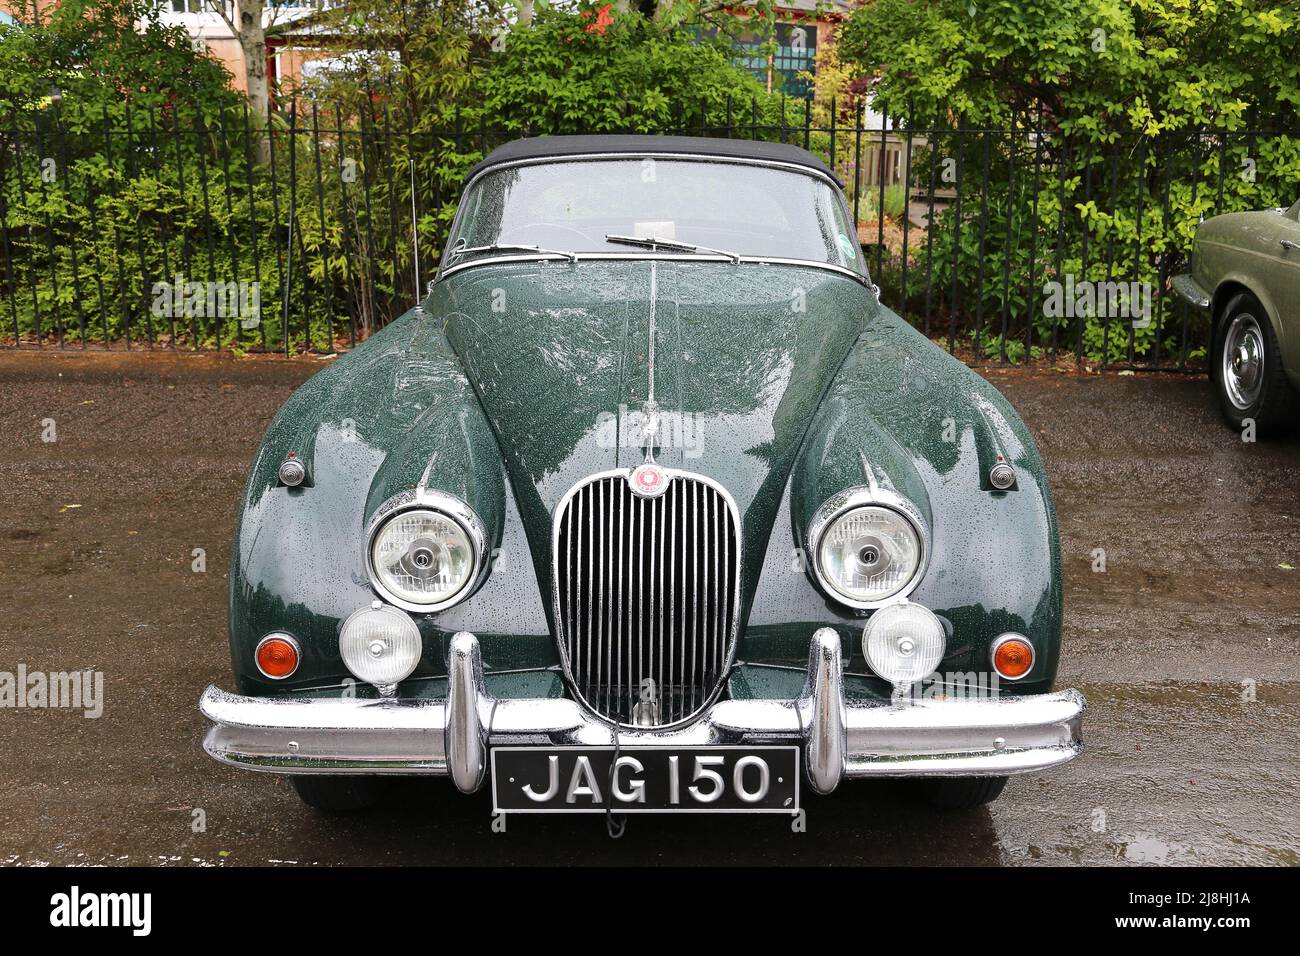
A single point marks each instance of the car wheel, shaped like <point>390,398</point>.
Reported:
<point>339,794</point>
<point>961,793</point>
<point>1247,367</point>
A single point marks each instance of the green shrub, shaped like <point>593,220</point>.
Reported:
<point>159,183</point>
<point>1136,100</point>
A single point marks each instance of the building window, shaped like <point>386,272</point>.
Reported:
<point>796,52</point>
<point>193,6</point>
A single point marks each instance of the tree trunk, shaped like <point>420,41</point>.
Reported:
<point>525,17</point>
<point>252,40</point>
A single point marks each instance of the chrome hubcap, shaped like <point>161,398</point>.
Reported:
<point>1243,361</point>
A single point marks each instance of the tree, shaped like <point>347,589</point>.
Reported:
<point>100,58</point>
<point>1097,66</point>
<point>598,69</point>
<point>1155,114</point>
<point>244,18</point>
<point>424,52</point>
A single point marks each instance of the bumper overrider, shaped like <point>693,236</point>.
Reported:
<point>1193,292</point>
<point>839,738</point>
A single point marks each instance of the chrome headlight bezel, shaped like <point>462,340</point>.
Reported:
<point>853,498</point>
<point>448,506</point>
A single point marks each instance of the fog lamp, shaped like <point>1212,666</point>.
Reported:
<point>903,642</point>
<point>381,645</point>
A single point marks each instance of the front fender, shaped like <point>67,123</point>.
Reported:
<point>396,413</point>
<point>1231,253</point>
<point>929,428</point>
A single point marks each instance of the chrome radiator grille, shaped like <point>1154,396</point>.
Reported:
<point>646,596</point>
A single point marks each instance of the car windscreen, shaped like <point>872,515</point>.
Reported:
<point>571,206</point>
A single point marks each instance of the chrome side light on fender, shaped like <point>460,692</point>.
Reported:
<point>1002,476</point>
<point>291,472</point>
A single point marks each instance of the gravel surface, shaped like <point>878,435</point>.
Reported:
<point>1187,646</point>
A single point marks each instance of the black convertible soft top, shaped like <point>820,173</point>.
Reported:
<point>545,147</point>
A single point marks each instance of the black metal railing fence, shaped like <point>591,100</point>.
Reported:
<point>1005,245</point>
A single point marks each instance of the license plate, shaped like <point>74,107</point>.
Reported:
<point>648,780</point>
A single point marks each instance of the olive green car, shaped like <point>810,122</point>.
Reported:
<point>649,505</point>
<point>1246,275</point>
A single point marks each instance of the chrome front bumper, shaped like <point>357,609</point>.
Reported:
<point>452,736</point>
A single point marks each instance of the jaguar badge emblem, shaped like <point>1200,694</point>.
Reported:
<point>648,480</point>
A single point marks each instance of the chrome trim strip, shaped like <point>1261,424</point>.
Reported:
<point>842,738</point>
<point>660,257</point>
<point>654,625</point>
<point>422,498</point>
<point>619,617</point>
<point>650,351</point>
<point>695,574</point>
<point>649,154</point>
<point>708,636</point>
<point>599,533</point>
<point>849,499</point>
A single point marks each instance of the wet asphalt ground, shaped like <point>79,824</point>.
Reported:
<point>1187,647</point>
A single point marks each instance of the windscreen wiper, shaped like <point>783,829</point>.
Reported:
<point>654,242</point>
<point>459,251</point>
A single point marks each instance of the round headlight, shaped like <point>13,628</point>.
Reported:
<point>422,559</point>
<point>903,643</point>
<point>381,645</point>
<point>868,554</point>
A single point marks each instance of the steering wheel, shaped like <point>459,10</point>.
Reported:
<point>543,225</point>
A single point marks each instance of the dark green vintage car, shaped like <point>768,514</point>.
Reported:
<point>650,505</point>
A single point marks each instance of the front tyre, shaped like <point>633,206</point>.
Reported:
<point>339,794</point>
<point>960,793</point>
<point>1247,367</point>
